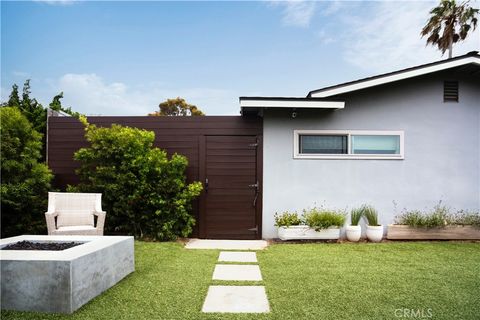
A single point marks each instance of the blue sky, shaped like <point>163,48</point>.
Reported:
<point>124,58</point>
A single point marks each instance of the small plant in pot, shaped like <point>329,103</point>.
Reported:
<point>354,231</point>
<point>287,219</point>
<point>320,219</point>
<point>374,229</point>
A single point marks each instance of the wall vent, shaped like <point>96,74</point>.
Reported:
<point>450,91</point>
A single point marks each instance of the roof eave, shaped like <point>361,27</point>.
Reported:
<point>392,77</point>
<point>256,104</point>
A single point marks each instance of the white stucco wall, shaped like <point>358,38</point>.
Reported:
<point>442,152</point>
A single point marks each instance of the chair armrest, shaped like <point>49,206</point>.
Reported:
<point>100,219</point>
<point>50,217</point>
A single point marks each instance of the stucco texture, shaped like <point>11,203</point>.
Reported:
<point>442,152</point>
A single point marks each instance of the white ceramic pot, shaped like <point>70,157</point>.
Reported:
<point>353,233</point>
<point>375,233</point>
<point>307,233</point>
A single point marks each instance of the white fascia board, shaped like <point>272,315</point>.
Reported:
<point>395,77</point>
<point>292,104</point>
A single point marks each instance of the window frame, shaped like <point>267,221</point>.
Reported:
<point>349,134</point>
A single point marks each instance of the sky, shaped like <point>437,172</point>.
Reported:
<point>124,58</point>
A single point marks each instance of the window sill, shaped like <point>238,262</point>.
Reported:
<point>348,157</point>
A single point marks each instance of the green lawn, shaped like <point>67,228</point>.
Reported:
<point>303,281</point>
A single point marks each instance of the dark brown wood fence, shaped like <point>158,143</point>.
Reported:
<point>182,135</point>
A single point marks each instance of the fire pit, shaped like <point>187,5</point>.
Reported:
<point>37,278</point>
<point>50,245</point>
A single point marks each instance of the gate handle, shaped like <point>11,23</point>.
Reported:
<point>256,192</point>
<point>206,184</point>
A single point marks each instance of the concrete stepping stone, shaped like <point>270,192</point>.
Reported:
<point>236,256</point>
<point>236,299</point>
<point>226,244</point>
<point>237,272</point>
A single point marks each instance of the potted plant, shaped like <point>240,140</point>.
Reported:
<point>354,231</point>
<point>315,224</point>
<point>323,223</point>
<point>437,224</point>
<point>288,224</point>
<point>374,229</point>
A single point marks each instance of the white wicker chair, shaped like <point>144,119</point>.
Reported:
<point>73,214</point>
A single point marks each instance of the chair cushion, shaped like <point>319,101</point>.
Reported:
<point>69,218</point>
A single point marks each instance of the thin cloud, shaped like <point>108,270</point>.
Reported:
<point>387,36</point>
<point>21,74</point>
<point>325,37</point>
<point>333,7</point>
<point>296,13</point>
<point>57,2</point>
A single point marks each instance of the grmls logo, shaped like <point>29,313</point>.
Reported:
<point>414,313</point>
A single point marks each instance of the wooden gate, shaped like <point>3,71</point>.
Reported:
<point>232,193</point>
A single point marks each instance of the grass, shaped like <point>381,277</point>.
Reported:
<point>303,281</point>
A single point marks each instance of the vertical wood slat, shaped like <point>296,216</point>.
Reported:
<point>202,233</point>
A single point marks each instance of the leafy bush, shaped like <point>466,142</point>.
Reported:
<point>287,219</point>
<point>319,218</point>
<point>144,192</point>
<point>370,214</point>
<point>439,216</point>
<point>25,181</point>
<point>355,215</point>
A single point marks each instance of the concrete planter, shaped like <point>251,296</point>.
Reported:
<point>404,232</point>
<point>353,233</point>
<point>375,233</point>
<point>307,233</point>
<point>62,281</point>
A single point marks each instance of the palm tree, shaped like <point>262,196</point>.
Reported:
<point>449,23</point>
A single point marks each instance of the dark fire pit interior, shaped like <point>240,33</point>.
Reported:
<point>52,246</point>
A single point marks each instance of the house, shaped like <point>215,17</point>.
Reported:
<point>405,139</point>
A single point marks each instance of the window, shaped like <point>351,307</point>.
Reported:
<point>328,144</point>
<point>348,144</point>
<point>375,144</point>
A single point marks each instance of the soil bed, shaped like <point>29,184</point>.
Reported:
<point>52,246</point>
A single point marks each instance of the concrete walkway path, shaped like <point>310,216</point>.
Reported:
<point>237,299</point>
<point>237,256</point>
<point>237,272</point>
<point>226,244</point>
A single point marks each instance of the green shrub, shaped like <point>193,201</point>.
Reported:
<point>286,219</point>
<point>355,215</point>
<point>25,181</point>
<point>370,214</point>
<point>319,218</point>
<point>439,216</point>
<point>144,193</point>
